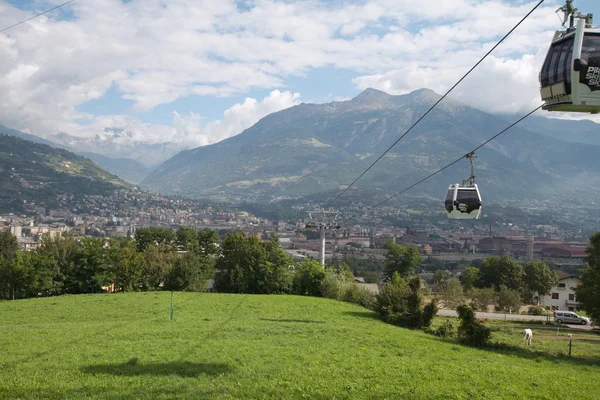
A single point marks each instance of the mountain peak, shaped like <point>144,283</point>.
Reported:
<point>371,98</point>
<point>371,94</point>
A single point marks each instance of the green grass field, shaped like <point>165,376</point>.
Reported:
<point>249,346</point>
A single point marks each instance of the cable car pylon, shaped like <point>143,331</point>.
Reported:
<point>323,221</point>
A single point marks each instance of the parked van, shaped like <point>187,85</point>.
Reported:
<point>569,317</point>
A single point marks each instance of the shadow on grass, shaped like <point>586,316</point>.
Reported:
<point>306,321</point>
<point>179,368</point>
<point>512,350</point>
<point>364,314</point>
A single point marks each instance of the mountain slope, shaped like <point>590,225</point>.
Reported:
<point>37,172</point>
<point>125,168</point>
<point>11,132</point>
<point>586,132</point>
<point>330,144</point>
<point>120,143</point>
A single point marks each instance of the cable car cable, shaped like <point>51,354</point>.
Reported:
<point>35,16</point>
<point>455,161</point>
<point>437,102</point>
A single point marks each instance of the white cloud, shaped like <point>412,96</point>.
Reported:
<point>235,119</point>
<point>155,52</point>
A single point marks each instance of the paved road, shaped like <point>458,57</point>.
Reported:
<point>507,317</point>
<point>513,317</point>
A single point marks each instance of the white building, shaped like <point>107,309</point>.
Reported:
<point>16,230</point>
<point>562,296</point>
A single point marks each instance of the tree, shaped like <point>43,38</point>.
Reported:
<point>509,299</point>
<point>588,291</point>
<point>94,265</point>
<point>187,239</point>
<point>452,293</point>
<point>208,240</point>
<point>481,298</point>
<point>20,275</point>
<point>189,273</point>
<point>158,261</point>
<point>371,277</point>
<point>128,268</point>
<point>401,259</point>
<point>345,273</point>
<point>144,237</point>
<point>469,277</point>
<point>539,278</point>
<point>308,278</point>
<point>64,253</point>
<point>247,265</point>
<point>440,277</point>
<point>496,272</point>
<point>9,247</point>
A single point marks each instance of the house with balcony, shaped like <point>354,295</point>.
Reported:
<point>562,296</point>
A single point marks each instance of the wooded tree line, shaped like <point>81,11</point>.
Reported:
<point>164,259</point>
<point>497,279</point>
<point>157,259</point>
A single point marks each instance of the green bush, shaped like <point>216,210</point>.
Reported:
<point>330,286</point>
<point>354,293</point>
<point>535,310</point>
<point>428,313</point>
<point>308,278</point>
<point>392,298</point>
<point>470,331</point>
<point>445,330</point>
<point>339,287</point>
<point>400,303</point>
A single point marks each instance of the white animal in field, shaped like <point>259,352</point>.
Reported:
<point>527,335</point>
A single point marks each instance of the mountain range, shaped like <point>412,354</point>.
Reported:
<point>36,172</point>
<point>126,168</point>
<point>318,148</point>
<point>120,143</point>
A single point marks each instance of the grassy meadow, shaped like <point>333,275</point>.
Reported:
<point>124,346</point>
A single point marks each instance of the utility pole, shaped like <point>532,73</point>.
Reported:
<point>323,221</point>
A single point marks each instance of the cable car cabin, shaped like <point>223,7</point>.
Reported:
<point>463,202</point>
<point>570,76</point>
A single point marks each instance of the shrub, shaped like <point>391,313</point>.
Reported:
<point>535,310</point>
<point>400,303</point>
<point>470,331</point>
<point>428,313</point>
<point>308,278</point>
<point>360,295</point>
<point>392,297</point>
<point>330,286</point>
<point>445,330</point>
<point>339,287</point>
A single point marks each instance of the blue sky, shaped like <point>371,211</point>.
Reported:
<point>201,74</point>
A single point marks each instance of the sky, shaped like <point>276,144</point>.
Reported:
<point>197,72</point>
